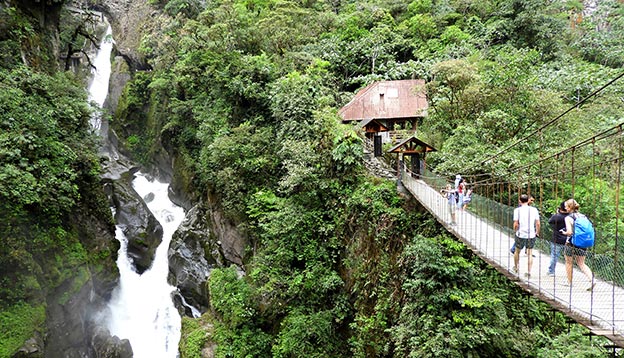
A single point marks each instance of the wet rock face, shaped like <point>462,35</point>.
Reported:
<point>203,241</point>
<point>111,347</point>
<point>130,20</point>
<point>74,327</point>
<point>192,254</point>
<point>140,227</point>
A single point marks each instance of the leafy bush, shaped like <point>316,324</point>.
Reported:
<point>17,324</point>
<point>41,165</point>
<point>196,334</point>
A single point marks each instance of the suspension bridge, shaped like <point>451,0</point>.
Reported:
<point>590,172</point>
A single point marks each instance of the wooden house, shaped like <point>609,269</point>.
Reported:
<point>384,108</point>
<point>392,105</point>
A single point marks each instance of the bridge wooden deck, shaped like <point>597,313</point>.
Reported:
<point>601,310</point>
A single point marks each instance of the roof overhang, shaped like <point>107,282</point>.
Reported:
<point>371,125</point>
<point>412,145</point>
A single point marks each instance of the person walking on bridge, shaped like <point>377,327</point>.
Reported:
<point>573,253</point>
<point>451,196</point>
<point>557,223</point>
<point>461,192</point>
<point>526,224</point>
<point>513,247</point>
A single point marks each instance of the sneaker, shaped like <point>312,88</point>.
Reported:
<point>551,274</point>
<point>514,269</point>
<point>527,275</point>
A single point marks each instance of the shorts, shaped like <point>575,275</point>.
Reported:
<point>451,208</point>
<point>571,250</point>
<point>521,243</point>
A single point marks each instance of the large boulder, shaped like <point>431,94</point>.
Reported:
<point>139,226</point>
<point>105,345</point>
<point>192,254</point>
<point>204,240</point>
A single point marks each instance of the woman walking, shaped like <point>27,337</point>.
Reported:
<point>572,252</point>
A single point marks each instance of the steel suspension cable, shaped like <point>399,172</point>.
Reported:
<point>552,121</point>
<point>613,131</point>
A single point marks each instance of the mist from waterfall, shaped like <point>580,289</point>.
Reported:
<point>141,307</point>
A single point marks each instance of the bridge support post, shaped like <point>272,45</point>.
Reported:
<point>613,348</point>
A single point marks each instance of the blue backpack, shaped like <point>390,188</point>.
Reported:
<point>584,233</point>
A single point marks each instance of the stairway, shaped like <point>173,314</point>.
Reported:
<point>377,166</point>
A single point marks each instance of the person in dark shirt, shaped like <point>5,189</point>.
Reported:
<point>557,223</point>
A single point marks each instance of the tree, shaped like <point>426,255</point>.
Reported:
<point>78,34</point>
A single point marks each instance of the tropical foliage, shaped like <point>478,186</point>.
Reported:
<point>49,182</point>
<point>337,257</point>
<point>245,94</point>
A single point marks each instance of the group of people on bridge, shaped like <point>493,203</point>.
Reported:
<point>527,228</point>
<point>458,197</point>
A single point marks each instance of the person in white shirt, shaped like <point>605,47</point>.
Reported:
<point>526,224</point>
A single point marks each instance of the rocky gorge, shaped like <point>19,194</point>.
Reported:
<point>203,241</point>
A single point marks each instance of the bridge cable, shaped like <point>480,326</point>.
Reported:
<point>552,121</point>
<point>615,130</point>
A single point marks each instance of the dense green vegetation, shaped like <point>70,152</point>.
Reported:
<point>49,185</point>
<point>244,93</point>
<point>248,100</point>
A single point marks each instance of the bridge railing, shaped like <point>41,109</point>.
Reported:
<point>486,227</point>
<point>607,266</point>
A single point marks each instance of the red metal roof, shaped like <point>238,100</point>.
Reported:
<point>387,100</point>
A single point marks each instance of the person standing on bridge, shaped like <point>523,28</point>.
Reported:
<point>461,191</point>
<point>513,247</point>
<point>557,223</point>
<point>572,252</point>
<point>451,196</point>
<point>467,199</point>
<point>526,224</point>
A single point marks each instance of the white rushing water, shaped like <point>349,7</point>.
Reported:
<point>141,308</point>
<point>98,90</point>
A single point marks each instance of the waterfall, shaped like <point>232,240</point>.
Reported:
<point>141,308</point>
<point>98,90</point>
